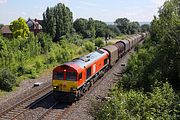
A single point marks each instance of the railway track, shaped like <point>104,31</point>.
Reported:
<point>55,112</point>
<point>59,115</point>
<point>16,110</point>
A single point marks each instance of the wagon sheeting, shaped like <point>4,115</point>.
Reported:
<point>121,48</point>
<point>113,53</point>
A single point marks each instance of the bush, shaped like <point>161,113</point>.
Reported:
<point>89,46</point>
<point>33,74</point>
<point>99,42</point>
<point>136,105</point>
<point>38,65</point>
<point>7,80</point>
<point>21,70</point>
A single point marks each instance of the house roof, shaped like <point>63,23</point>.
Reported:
<point>5,29</point>
<point>34,24</point>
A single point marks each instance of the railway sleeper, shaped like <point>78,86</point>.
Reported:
<point>5,117</point>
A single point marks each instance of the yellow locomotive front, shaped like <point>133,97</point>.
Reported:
<point>64,79</point>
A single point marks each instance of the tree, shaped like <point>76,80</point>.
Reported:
<point>145,27</point>
<point>91,28</point>
<point>122,24</point>
<point>115,29</point>
<point>19,28</point>
<point>133,28</point>
<point>100,28</point>
<point>1,25</point>
<point>58,21</point>
<point>165,33</point>
<point>80,25</point>
<point>49,22</point>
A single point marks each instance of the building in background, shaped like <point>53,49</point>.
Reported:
<point>35,25</point>
<point>6,32</point>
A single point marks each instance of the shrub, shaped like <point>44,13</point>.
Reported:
<point>38,65</point>
<point>21,70</point>
<point>162,103</point>
<point>99,42</point>
<point>7,80</point>
<point>33,73</point>
<point>89,46</point>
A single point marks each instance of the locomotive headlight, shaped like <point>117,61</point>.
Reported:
<point>55,87</point>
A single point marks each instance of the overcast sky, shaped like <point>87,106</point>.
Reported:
<point>105,10</point>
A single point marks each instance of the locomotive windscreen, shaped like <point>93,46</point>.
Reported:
<point>71,76</point>
<point>58,75</point>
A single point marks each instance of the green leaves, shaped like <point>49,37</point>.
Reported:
<point>7,80</point>
<point>136,105</point>
<point>19,28</point>
<point>146,89</point>
<point>58,21</point>
<point>166,34</point>
<point>126,27</point>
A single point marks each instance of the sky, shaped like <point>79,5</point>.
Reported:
<point>104,10</point>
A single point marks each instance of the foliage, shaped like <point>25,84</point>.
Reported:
<point>91,28</point>
<point>80,25</point>
<point>146,90</point>
<point>89,46</point>
<point>1,25</point>
<point>100,28</point>
<point>7,80</point>
<point>99,42</point>
<point>45,42</point>
<point>133,28</point>
<point>122,24</point>
<point>58,21</point>
<point>165,33</point>
<point>19,28</point>
<point>140,72</point>
<point>126,27</point>
<point>29,56</point>
<point>115,29</point>
<point>162,103</point>
<point>145,27</point>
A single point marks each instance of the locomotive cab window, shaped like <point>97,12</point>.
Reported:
<point>71,76</point>
<point>58,76</point>
<point>105,61</point>
<point>88,73</point>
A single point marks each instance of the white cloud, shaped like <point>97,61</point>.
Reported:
<point>3,1</point>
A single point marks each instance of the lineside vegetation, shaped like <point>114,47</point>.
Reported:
<point>149,89</point>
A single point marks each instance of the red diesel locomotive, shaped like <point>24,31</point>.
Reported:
<point>74,78</point>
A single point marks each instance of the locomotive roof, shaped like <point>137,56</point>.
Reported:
<point>86,60</point>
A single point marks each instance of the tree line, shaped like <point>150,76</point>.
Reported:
<point>149,88</point>
<point>58,22</point>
